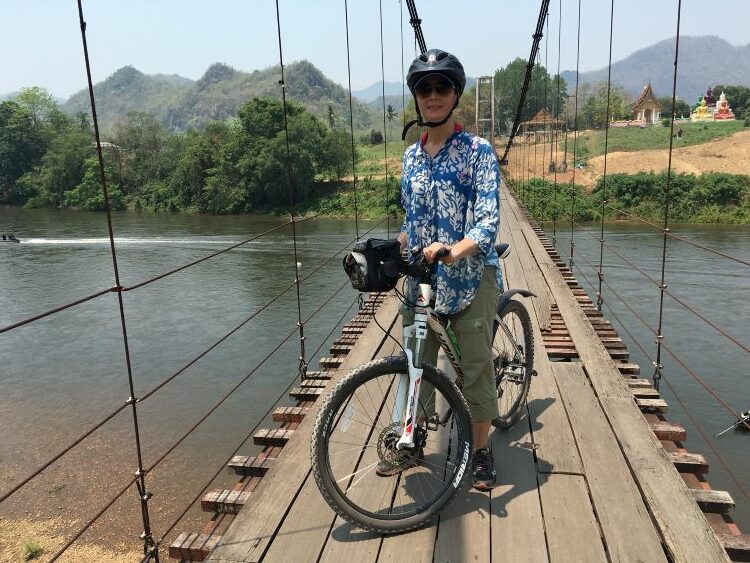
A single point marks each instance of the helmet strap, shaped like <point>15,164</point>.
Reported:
<point>421,123</point>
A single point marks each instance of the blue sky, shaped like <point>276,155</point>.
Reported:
<point>41,41</point>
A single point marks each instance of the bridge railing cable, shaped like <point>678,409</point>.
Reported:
<point>291,180</point>
<point>690,371</point>
<point>672,389</point>
<point>670,294</point>
<point>143,494</point>
<point>261,420</point>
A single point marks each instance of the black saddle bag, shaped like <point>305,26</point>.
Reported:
<point>374,264</point>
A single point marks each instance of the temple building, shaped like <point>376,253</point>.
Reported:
<point>646,108</point>
<point>541,127</point>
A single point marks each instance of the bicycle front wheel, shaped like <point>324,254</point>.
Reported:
<point>362,475</point>
<point>513,356</point>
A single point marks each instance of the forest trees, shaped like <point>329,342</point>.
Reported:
<point>542,93</point>
<point>236,165</point>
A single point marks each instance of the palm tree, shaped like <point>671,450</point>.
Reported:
<point>331,116</point>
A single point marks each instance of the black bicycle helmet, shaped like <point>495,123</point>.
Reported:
<point>435,61</point>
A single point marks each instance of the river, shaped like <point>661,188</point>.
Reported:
<point>66,372</point>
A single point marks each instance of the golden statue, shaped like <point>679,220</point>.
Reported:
<point>701,112</point>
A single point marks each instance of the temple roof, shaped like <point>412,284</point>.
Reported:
<point>542,117</point>
<point>647,95</point>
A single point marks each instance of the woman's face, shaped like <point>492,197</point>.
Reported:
<point>435,97</point>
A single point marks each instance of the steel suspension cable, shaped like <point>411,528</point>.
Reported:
<point>677,396</point>
<point>403,74</point>
<point>143,494</point>
<point>222,466</point>
<point>351,118</point>
<point>575,142</point>
<point>600,271</point>
<point>385,131</point>
<point>292,198</point>
<point>546,105</point>
<point>687,369</point>
<point>662,286</point>
<point>674,297</point>
<point>543,9</point>
<point>556,114</point>
<point>416,23</point>
<point>169,379</point>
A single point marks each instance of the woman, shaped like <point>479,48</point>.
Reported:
<point>449,191</point>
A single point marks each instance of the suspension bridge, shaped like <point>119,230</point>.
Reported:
<point>595,471</point>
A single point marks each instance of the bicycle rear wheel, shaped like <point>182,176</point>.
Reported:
<point>354,435</point>
<point>513,354</point>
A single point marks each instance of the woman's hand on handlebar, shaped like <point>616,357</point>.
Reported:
<point>438,251</point>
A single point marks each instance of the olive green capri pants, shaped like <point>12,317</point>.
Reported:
<point>473,328</point>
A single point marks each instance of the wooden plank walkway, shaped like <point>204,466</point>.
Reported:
<point>583,476</point>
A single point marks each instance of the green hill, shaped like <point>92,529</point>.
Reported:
<point>181,103</point>
<point>704,61</point>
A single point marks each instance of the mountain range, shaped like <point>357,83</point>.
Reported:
<point>704,61</point>
<point>182,103</point>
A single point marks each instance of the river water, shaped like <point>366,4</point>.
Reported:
<point>61,375</point>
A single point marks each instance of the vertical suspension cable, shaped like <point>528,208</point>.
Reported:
<point>600,271</point>
<point>149,549</point>
<point>292,204</point>
<point>351,121</point>
<point>557,132</point>
<point>575,145</point>
<point>385,132</point>
<point>546,139</point>
<point>665,229</point>
<point>403,74</point>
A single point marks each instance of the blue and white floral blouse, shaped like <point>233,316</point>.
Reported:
<point>453,196</point>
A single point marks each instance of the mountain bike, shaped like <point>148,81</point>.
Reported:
<point>402,413</point>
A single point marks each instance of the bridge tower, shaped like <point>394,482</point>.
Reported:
<point>485,108</point>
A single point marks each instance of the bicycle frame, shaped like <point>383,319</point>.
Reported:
<point>415,335</point>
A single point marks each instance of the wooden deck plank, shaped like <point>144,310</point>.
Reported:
<point>573,534</point>
<point>516,521</point>
<point>615,496</point>
<point>249,535</point>
<point>682,526</point>
<point>553,438</point>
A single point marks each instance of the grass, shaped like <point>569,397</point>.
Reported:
<point>31,550</point>
<point>371,158</point>
<point>629,139</point>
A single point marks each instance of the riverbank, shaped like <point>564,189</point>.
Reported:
<point>28,540</point>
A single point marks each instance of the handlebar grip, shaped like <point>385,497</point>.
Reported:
<point>442,253</point>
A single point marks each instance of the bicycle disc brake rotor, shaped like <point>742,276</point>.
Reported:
<point>387,441</point>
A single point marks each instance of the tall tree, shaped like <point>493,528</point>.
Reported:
<point>21,146</point>
<point>542,93</point>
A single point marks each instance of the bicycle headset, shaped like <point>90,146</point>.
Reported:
<point>439,62</point>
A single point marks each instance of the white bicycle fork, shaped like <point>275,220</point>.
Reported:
<point>407,392</point>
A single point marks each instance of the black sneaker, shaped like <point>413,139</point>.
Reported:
<point>483,470</point>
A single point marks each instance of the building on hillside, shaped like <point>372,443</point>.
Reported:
<point>541,127</point>
<point>646,108</point>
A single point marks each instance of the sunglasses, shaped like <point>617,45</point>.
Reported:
<point>442,88</point>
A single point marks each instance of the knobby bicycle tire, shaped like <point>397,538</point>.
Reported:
<point>330,416</point>
<point>514,411</point>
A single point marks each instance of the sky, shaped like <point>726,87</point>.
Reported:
<point>41,39</point>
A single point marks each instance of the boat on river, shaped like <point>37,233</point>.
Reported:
<point>9,237</point>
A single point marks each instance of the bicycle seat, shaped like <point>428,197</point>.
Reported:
<point>502,249</point>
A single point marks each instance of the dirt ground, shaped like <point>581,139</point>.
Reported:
<point>729,154</point>
<point>14,534</point>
